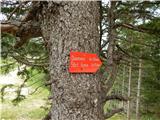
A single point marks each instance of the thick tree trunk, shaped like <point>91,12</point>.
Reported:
<point>72,26</point>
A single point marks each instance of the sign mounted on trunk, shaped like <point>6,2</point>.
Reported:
<point>81,62</point>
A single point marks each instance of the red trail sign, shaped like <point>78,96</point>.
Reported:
<point>81,62</point>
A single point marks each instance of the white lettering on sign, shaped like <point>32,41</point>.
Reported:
<point>78,58</point>
<point>95,65</point>
<point>75,65</point>
<point>84,65</point>
<point>81,62</point>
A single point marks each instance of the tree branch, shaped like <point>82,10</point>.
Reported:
<point>116,97</point>
<point>9,28</point>
<point>23,61</point>
<point>16,8</point>
<point>136,28</point>
<point>125,52</point>
<point>113,112</point>
<point>135,42</point>
<point>24,31</point>
<point>111,66</point>
<point>36,89</point>
<point>108,83</point>
<point>129,55</point>
<point>31,14</point>
<point>28,30</point>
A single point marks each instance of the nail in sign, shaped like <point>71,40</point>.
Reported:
<point>81,62</point>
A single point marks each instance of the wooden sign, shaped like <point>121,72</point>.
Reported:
<point>81,62</point>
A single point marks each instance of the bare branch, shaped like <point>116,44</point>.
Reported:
<point>9,28</point>
<point>116,97</point>
<point>36,89</point>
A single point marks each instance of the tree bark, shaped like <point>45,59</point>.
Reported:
<point>72,26</point>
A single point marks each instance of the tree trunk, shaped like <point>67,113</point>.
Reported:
<point>138,90</point>
<point>111,64</point>
<point>129,91</point>
<point>72,26</point>
<point>123,84</point>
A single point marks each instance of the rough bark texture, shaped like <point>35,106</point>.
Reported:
<point>72,26</point>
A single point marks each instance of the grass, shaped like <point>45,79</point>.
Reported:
<point>28,109</point>
<point>117,117</point>
<point>123,117</point>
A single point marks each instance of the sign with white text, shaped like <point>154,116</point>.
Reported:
<point>81,62</point>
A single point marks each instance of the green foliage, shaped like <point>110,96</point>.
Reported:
<point>7,45</point>
<point>153,26</point>
<point>33,52</point>
<point>29,109</point>
<point>151,85</point>
<point>7,66</point>
<point>37,113</point>
<point>3,91</point>
<point>18,99</point>
<point>117,117</point>
<point>149,117</point>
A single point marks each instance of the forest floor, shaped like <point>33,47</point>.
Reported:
<point>33,107</point>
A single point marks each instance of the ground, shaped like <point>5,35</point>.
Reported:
<point>31,108</point>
